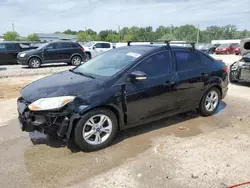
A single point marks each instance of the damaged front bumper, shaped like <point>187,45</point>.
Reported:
<point>240,71</point>
<point>54,122</point>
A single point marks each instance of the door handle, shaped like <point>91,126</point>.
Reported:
<point>169,83</point>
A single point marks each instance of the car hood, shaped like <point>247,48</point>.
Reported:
<point>64,83</point>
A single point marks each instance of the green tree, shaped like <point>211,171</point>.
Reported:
<point>127,38</point>
<point>32,37</point>
<point>112,37</point>
<point>82,36</point>
<point>11,36</point>
<point>70,32</point>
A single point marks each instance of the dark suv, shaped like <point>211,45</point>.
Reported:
<point>122,88</point>
<point>54,52</point>
<point>9,51</point>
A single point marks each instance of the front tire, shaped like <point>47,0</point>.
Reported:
<point>96,130</point>
<point>76,60</point>
<point>210,102</point>
<point>35,63</point>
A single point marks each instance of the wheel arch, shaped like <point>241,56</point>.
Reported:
<point>35,56</point>
<point>76,54</point>
<point>75,119</point>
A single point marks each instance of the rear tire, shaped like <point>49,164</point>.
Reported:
<point>76,60</point>
<point>96,130</point>
<point>35,63</point>
<point>210,102</point>
<point>88,57</point>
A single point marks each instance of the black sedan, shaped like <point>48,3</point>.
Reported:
<point>240,70</point>
<point>122,88</point>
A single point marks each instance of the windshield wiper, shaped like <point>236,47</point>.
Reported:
<point>82,74</point>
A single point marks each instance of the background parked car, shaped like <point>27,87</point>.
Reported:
<point>9,51</point>
<point>226,48</point>
<point>93,49</point>
<point>209,48</point>
<point>240,70</point>
<point>54,52</point>
<point>237,51</point>
<point>245,46</point>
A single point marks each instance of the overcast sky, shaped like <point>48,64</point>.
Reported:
<point>47,16</point>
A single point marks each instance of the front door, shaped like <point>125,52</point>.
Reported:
<point>50,53</point>
<point>155,95</point>
<point>192,75</point>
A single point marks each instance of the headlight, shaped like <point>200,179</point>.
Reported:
<point>50,103</point>
<point>22,55</point>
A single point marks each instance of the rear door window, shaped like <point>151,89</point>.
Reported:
<point>62,45</point>
<point>187,60</point>
<point>12,47</point>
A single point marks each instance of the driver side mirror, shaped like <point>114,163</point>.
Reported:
<point>94,47</point>
<point>137,76</point>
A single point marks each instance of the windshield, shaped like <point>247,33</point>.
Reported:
<point>109,63</point>
<point>89,44</point>
<point>224,45</point>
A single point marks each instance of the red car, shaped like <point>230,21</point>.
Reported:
<point>226,48</point>
<point>237,51</point>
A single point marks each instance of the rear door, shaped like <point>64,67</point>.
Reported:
<point>65,50</point>
<point>192,75</point>
<point>3,53</point>
<point>155,95</point>
<point>12,49</point>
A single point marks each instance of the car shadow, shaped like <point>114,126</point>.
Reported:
<point>245,84</point>
<point>39,138</point>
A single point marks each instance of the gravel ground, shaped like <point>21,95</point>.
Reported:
<point>18,70</point>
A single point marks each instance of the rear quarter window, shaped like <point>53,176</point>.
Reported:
<point>206,59</point>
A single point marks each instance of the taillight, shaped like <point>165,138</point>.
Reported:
<point>225,69</point>
<point>82,49</point>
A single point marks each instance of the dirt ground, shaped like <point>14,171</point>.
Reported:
<point>183,151</point>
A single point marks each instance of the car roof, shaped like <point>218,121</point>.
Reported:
<point>62,41</point>
<point>151,48</point>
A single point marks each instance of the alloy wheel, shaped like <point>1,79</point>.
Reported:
<point>97,129</point>
<point>35,63</point>
<point>211,101</point>
<point>76,61</point>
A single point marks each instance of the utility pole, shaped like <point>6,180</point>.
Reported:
<point>198,35</point>
<point>13,27</point>
<point>119,29</point>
